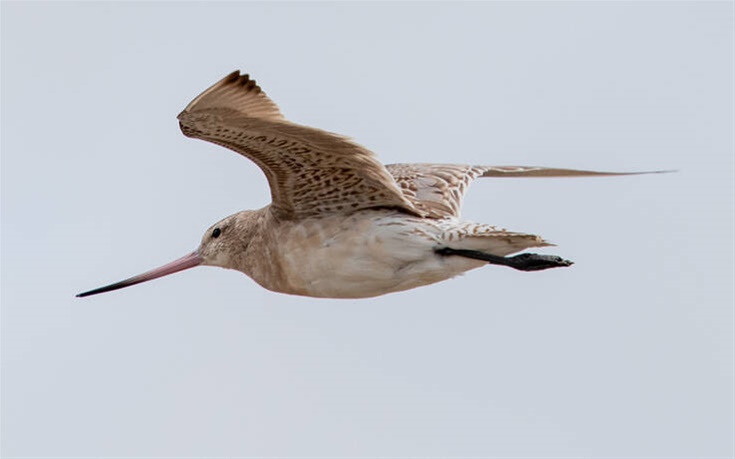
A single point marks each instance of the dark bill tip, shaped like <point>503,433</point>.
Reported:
<point>189,261</point>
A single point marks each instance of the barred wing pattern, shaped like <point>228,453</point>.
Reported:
<point>310,171</point>
<point>436,190</point>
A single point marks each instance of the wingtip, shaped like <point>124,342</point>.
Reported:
<point>232,76</point>
<point>667,171</point>
<point>237,78</point>
<point>239,92</point>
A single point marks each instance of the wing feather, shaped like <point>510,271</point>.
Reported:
<point>437,190</point>
<point>310,171</point>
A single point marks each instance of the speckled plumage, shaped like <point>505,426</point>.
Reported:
<point>310,171</point>
<point>341,224</point>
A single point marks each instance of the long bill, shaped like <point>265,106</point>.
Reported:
<point>186,262</point>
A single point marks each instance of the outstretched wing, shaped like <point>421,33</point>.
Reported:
<point>309,171</point>
<point>436,190</point>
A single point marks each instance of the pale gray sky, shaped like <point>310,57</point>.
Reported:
<point>629,353</point>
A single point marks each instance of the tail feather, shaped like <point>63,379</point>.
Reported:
<point>490,239</point>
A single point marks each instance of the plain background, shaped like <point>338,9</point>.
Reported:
<point>629,353</point>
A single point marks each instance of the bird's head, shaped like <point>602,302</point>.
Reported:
<point>224,241</point>
<point>222,245</point>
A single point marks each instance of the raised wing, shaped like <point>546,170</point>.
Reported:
<point>436,190</point>
<point>310,171</point>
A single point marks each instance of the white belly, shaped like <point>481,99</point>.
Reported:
<point>365,255</point>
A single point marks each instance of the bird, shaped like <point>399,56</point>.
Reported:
<point>341,224</point>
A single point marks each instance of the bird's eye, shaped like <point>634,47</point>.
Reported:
<point>216,233</point>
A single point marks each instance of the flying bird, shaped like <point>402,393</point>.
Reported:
<point>341,224</point>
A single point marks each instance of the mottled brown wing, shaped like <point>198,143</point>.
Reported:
<point>310,172</point>
<point>436,190</point>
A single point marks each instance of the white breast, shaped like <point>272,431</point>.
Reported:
<point>366,254</point>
